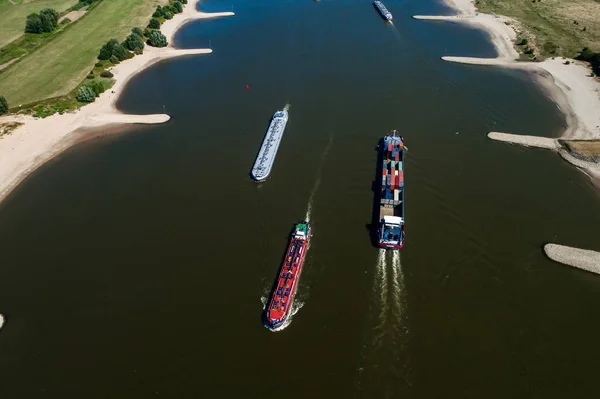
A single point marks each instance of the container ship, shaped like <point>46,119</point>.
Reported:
<point>382,10</point>
<point>282,297</point>
<point>270,145</point>
<point>390,232</point>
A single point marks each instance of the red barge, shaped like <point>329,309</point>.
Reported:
<point>282,297</point>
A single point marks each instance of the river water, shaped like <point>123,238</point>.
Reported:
<point>136,265</point>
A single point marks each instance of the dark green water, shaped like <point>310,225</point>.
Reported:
<point>135,265</point>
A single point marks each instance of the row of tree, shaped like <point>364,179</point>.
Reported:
<point>45,21</point>
<point>591,57</point>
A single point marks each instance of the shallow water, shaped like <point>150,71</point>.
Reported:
<point>135,264</point>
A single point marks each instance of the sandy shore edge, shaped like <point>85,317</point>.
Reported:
<point>580,258</point>
<point>575,93</point>
<point>1,320</point>
<point>39,140</point>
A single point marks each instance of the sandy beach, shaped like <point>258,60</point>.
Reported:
<point>569,85</point>
<point>39,140</point>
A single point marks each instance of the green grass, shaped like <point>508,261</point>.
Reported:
<point>552,27</point>
<point>61,65</point>
<point>12,16</point>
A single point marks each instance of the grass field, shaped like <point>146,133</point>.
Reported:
<point>589,148</point>
<point>12,16</point>
<point>58,67</point>
<point>552,27</point>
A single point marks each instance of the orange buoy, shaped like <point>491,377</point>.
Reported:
<point>247,87</point>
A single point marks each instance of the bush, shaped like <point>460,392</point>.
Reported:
<point>119,52</point>
<point>157,39</point>
<point>523,42</point>
<point>183,1</point>
<point>148,32</point>
<point>154,23</point>
<point>99,64</point>
<point>90,76</point>
<point>106,74</point>
<point>114,60</point>
<point>49,18</point>
<point>65,21</point>
<point>593,58</point>
<point>137,31</point>
<point>550,47</point>
<point>33,24</point>
<point>177,6</point>
<point>158,13</point>
<point>97,87</point>
<point>135,43</point>
<point>107,49</point>
<point>3,105</point>
<point>168,15</point>
<point>86,94</point>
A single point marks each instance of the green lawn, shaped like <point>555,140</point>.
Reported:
<point>553,27</point>
<point>59,66</point>
<point>12,16</point>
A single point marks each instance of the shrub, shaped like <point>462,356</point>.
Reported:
<point>157,39</point>
<point>135,43</point>
<point>177,6</point>
<point>107,49</point>
<point>114,60</point>
<point>97,87</point>
<point>98,64</point>
<point>183,1</point>
<point>65,21</point>
<point>168,15</point>
<point>157,12</point>
<point>86,94</point>
<point>106,74</point>
<point>3,105</point>
<point>550,47</point>
<point>90,76</point>
<point>33,23</point>
<point>119,52</point>
<point>137,31</point>
<point>154,23</point>
<point>523,42</point>
<point>148,32</point>
<point>593,58</point>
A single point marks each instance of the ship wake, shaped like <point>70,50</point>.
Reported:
<point>313,192</point>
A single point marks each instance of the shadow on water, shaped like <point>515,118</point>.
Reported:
<point>376,189</point>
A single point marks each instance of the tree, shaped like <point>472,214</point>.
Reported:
<point>137,31</point>
<point>114,60</point>
<point>49,19</point>
<point>107,49</point>
<point>97,87</point>
<point>168,15</point>
<point>33,23</point>
<point>119,52</point>
<point>135,43</point>
<point>3,105</point>
<point>157,12</point>
<point>177,6</point>
<point>86,94</point>
<point>106,74</point>
<point>183,1</point>
<point>154,23</point>
<point>157,39</point>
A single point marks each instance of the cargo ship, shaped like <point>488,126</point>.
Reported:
<point>390,232</point>
<point>270,145</point>
<point>282,297</point>
<point>382,10</point>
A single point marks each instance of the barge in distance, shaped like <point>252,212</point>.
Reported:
<point>382,10</point>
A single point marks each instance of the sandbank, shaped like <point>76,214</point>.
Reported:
<point>39,140</point>
<point>580,258</point>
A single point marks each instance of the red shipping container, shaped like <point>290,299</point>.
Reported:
<point>385,171</point>
<point>401,175</point>
<point>389,147</point>
<point>397,157</point>
<point>398,179</point>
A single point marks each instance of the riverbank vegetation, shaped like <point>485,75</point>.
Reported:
<point>551,28</point>
<point>70,56</point>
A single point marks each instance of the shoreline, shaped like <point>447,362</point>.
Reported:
<point>39,140</point>
<point>569,86</point>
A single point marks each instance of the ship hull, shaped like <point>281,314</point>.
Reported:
<point>269,147</point>
<point>283,294</point>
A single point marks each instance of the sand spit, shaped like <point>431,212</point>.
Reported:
<point>580,258</point>
<point>567,82</point>
<point>528,141</point>
<point>1,320</point>
<point>39,140</point>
